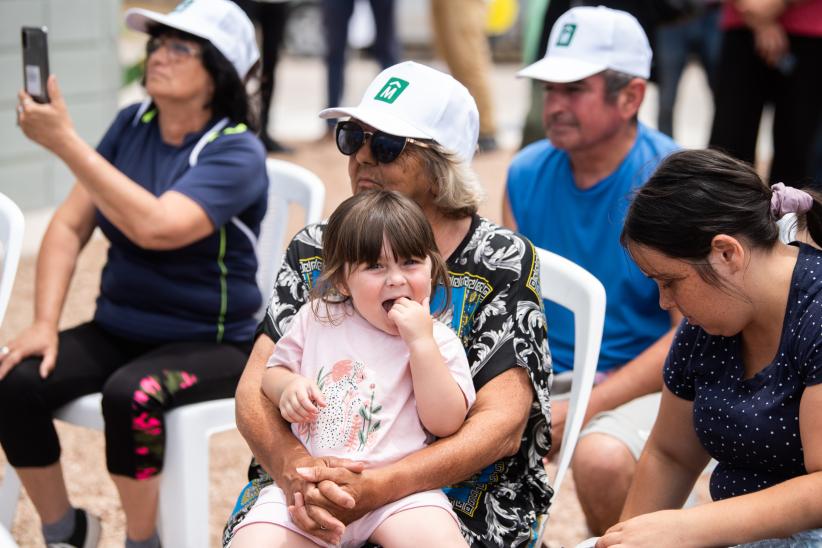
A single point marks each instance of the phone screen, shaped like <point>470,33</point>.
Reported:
<point>35,62</point>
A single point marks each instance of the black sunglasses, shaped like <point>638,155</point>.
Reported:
<point>384,146</point>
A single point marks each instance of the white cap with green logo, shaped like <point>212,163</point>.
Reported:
<point>587,40</point>
<point>417,101</point>
<point>220,22</point>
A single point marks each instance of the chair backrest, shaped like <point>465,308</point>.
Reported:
<point>288,184</point>
<point>787,228</point>
<point>11,239</point>
<point>573,287</point>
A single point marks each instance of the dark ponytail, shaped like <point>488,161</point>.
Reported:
<point>811,221</point>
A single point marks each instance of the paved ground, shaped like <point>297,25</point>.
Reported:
<point>299,97</point>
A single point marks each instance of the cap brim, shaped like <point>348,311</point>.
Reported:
<point>378,119</point>
<point>140,19</point>
<point>560,70</point>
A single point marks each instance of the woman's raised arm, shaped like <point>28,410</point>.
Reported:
<point>169,221</point>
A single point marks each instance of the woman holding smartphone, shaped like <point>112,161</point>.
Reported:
<point>178,186</point>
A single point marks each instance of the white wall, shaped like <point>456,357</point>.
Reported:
<point>83,54</point>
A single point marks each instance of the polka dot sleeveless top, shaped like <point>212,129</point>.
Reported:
<point>751,426</point>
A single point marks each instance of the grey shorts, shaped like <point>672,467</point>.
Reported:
<point>630,423</point>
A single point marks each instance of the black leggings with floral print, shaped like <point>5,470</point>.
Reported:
<point>139,382</point>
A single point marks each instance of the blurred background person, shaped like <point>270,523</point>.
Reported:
<point>459,30</point>
<point>771,51</point>
<point>678,42</point>
<point>271,17</point>
<point>386,49</point>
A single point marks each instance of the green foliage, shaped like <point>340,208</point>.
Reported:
<point>133,73</point>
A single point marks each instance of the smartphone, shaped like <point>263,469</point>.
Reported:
<point>35,62</point>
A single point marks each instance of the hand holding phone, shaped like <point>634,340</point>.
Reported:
<point>35,62</point>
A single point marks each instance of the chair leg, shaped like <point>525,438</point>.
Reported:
<point>184,512</point>
<point>5,539</point>
<point>9,496</point>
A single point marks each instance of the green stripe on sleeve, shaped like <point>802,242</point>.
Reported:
<point>223,286</point>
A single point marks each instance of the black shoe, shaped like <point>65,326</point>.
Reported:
<point>272,145</point>
<point>86,532</point>
<point>487,143</point>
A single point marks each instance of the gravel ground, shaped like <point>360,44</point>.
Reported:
<point>83,460</point>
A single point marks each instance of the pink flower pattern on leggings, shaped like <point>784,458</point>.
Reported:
<point>148,404</point>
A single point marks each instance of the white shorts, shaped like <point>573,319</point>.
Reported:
<point>271,507</point>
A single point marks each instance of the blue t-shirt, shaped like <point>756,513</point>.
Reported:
<point>584,226</point>
<point>206,290</point>
<point>751,426</point>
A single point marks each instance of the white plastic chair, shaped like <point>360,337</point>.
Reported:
<point>5,539</point>
<point>289,184</point>
<point>11,240</point>
<point>183,514</point>
<point>573,287</point>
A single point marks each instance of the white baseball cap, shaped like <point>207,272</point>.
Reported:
<point>417,101</point>
<point>587,40</point>
<point>221,22</point>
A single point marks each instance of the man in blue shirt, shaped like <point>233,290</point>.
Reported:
<point>569,194</point>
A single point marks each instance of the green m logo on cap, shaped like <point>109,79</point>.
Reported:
<point>566,34</point>
<point>391,90</point>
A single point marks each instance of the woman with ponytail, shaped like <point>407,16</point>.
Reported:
<point>743,379</point>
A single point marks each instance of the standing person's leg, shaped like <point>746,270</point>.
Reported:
<point>386,46</point>
<point>86,357</point>
<point>272,17</point>
<point>135,399</point>
<point>797,111</point>
<point>336,14</point>
<point>707,40</point>
<point>740,96</point>
<point>606,456</point>
<point>459,28</point>
<point>672,50</point>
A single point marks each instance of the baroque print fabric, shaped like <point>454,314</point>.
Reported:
<point>495,309</point>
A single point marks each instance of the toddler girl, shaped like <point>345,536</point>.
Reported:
<point>365,373</point>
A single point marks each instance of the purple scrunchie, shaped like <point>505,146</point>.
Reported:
<point>787,199</point>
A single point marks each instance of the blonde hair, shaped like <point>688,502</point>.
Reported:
<point>457,188</point>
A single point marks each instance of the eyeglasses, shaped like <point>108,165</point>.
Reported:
<point>177,50</point>
<point>384,146</point>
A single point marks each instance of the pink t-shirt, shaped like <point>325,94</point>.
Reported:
<point>365,378</point>
<point>802,18</point>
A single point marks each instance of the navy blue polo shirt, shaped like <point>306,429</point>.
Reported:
<point>205,291</point>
